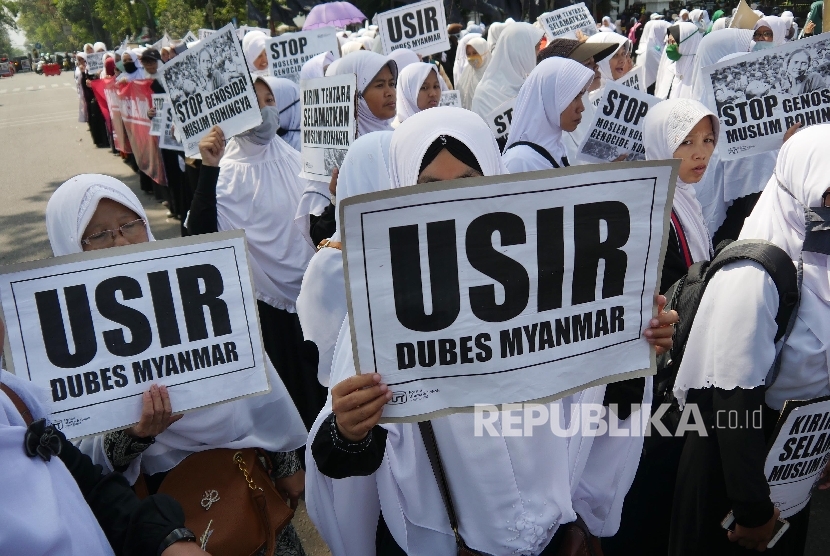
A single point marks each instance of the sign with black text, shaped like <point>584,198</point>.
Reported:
<point>288,52</point>
<point>94,63</point>
<point>421,27</point>
<point>500,119</point>
<point>571,22</point>
<point>96,329</point>
<point>798,454</point>
<point>157,121</point>
<point>505,289</point>
<point>189,38</point>
<point>209,85</point>
<point>617,127</point>
<point>634,79</point>
<point>205,33</point>
<point>759,95</point>
<point>168,138</point>
<point>328,123</point>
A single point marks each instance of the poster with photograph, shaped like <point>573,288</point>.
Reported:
<point>157,121</point>
<point>421,27</point>
<point>760,95</point>
<point>168,138</point>
<point>94,63</point>
<point>571,22</point>
<point>209,85</point>
<point>450,98</point>
<point>288,52</point>
<point>328,125</point>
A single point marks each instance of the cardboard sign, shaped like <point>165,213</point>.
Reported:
<point>505,289</point>
<point>328,123</point>
<point>421,27</point>
<point>94,63</point>
<point>798,454</point>
<point>450,98</point>
<point>566,23</point>
<point>209,85</point>
<point>205,33</point>
<point>617,127</point>
<point>189,38</point>
<point>157,122</point>
<point>760,95</point>
<point>244,30</point>
<point>168,139</point>
<point>634,79</point>
<point>501,118</point>
<point>288,52</point>
<point>96,329</point>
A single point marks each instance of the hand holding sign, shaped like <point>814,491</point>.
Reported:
<point>661,328</point>
<point>357,403</point>
<point>156,414</point>
<point>212,147</point>
<point>754,538</point>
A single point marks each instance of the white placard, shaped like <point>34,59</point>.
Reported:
<point>168,138</point>
<point>205,33</point>
<point>759,95</point>
<point>288,52</point>
<point>328,123</point>
<point>209,85</point>
<point>798,454</point>
<point>157,122</point>
<point>5,67</point>
<point>634,79</point>
<point>565,23</point>
<point>421,27</point>
<point>189,38</point>
<point>617,127</point>
<point>96,329</point>
<point>450,98</point>
<point>244,30</point>
<point>94,63</point>
<point>501,118</point>
<point>508,288</point>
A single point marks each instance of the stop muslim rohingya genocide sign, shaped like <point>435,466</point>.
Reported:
<point>420,27</point>
<point>506,289</point>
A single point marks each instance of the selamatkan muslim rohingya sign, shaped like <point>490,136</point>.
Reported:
<point>506,289</point>
<point>209,85</point>
<point>96,329</point>
<point>288,52</point>
<point>420,27</point>
<point>798,454</point>
<point>760,95</point>
<point>328,123</point>
<point>569,23</point>
<point>617,127</point>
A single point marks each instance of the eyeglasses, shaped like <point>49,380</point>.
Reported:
<point>762,35</point>
<point>130,231</point>
<point>825,199</point>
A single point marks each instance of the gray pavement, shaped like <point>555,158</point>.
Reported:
<point>42,145</point>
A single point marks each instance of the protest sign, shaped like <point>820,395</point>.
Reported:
<point>506,288</point>
<point>617,127</point>
<point>5,67</point>
<point>634,79</point>
<point>244,30</point>
<point>421,27</point>
<point>96,329</point>
<point>162,42</point>
<point>157,122</point>
<point>798,454</point>
<point>205,33</point>
<point>168,138</point>
<point>135,99</point>
<point>572,22</point>
<point>450,98</point>
<point>209,85</point>
<point>94,63</point>
<point>759,95</point>
<point>189,38</point>
<point>328,123</point>
<point>500,119</point>
<point>288,52</point>
<point>744,18</point>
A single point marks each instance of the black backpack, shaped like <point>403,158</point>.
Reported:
<point>685,295</point>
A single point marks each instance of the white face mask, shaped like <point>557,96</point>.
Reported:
<point>762,46</point>
<point>265,132</point>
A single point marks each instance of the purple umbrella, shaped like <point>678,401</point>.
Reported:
<point>332,14</point>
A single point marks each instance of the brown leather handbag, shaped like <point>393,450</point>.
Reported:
<point>229,501</point>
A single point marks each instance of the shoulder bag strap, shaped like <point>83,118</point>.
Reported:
<point>19,404</point>
<point>542,152</point>
<point>681,239</point>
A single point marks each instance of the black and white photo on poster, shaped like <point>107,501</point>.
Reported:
<point>450,98</point>
<point>94,63</point>
<point>94,330</point>
<point>571,22</point>
<point>506,289</point>
<point>617,127</point>
<point>288,52</point>
<point>168,139</point>
<point>501,118</point>
<point>421,27</point>
<point>798,454</point>
<point>157,121</point>
<point>759,95</point>
<point>328,123</point>
<point>209,85</point>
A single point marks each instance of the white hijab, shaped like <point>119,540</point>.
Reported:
<point>402,58</point>
<point>269,421</point>
<point>409,85</point>
<point>287,95</point>
<point>321,304</point>
<point>778,27</point>
<point>666,126</point>
<point>657,63</point>
<point>605,63</point>
<point>253,44</point>
<point>351,47</point>
<point>511,65</point>
<point>366,65</point>
<point>41,507</point>
<point>607,26</point>
<point>315,67</point>
<point>549,89</point>
<point>470,76</point>
<point>690,37</point>
<point>461,56</point>
<point>494,33</point>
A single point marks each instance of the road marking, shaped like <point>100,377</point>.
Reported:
<point>54,85</point>
<point>30,88</point>
<point>3,91</point>
<point>50,120</point>
<point>42,87</point>
<point>15,90</point>
<point>67,84</point>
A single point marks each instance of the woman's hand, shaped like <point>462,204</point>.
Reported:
<point>184,549</point>
<point>357,403</point>
<point>156,414</point>
<point>151,113</point>
<point>212,146</point>
<point>661,328</point>
<point>755,538</point>
<point>333,182</point>
<point>291,488</point>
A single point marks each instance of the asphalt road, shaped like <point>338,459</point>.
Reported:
<point>42,145</point>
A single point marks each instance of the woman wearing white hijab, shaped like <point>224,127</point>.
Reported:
<point>549,102</point>
<point>731,370</point>
<point>618,63</point>
<point>509,68</point>
<point>80,75</point>
<point>403,57</point>
<point>287,94</point>
<point>651,50</point>
<point>352,46</point>
<point>769,31</point>
<point>419,88</point>
<point>606,26</point>
<point>460,60</point>
<point>77,214</point>
<point>132,71</point>
<point>478,58</point>
<point>316,67</point>
<point>253,46</point>
<point>493,34</point>
<point>377,77</point>
<point>684,38</point>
